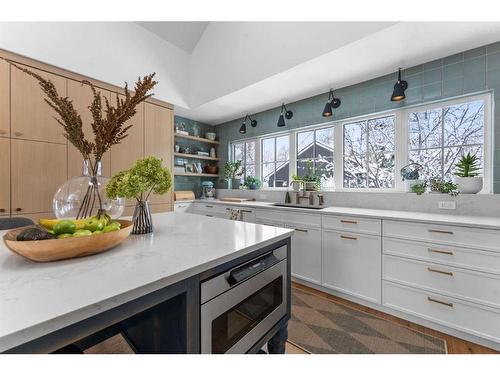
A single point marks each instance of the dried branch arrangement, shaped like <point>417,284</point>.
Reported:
<point>107,125</point>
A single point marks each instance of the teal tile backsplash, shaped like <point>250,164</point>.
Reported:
<point>462,73</point>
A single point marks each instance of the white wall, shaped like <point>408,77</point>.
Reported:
<point>113,52</point>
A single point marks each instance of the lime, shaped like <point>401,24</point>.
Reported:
<point>65,235</point>
<point>111,228</point>
<point>82,233</point>
<point>64,226</point>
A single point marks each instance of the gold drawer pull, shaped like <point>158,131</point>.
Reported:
<point>349,221</point>
<point>348,237</point>
<point>440,231</point>
<point>447,252</point>
<point>210,215</point>
<point>449,304</point>
<point>246,211</point>
<point>207,206</point>
<point>301,230</point>
<point>439,271</point>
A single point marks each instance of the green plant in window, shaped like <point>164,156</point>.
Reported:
<point>468,166</point>
<point>442,186</point>
<point>311,176</point>
<point>233,169</point>
<point>252,183</point>
<point>419,189</point>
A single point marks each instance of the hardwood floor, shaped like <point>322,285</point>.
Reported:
<point>454,344</point>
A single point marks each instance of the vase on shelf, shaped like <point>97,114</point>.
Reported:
<point>85,196</point>
<point>143,222</point>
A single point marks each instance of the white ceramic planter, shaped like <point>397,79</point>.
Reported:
<point>468,185</point>
<point>410,183</point>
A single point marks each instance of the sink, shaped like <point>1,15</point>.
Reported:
<point>298,206</point>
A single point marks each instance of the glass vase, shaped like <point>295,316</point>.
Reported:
<point>143,222</point>
<point>82,197</point>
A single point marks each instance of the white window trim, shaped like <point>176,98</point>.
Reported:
<point>401,124</point>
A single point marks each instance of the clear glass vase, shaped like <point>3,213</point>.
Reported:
<point>82,197</point>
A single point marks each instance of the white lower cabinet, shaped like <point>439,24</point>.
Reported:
<point>352,264</point>
<point>306,254</point>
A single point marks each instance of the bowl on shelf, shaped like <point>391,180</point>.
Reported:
<point>210,136</point>
<point>66,248</point>
<point>211,169</point>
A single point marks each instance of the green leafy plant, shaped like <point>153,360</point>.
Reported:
<point>296,177</point>
<point>468,166</point>
<point>442,186</point>
<point>233,169</point>
<point>311,175</point>
<point>145,177</point>
<point>252,182</point>
<point>419,189</point>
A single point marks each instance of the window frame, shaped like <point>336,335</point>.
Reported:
<point>401,123</point>
<point>244,163</point>
<point>276,161</point>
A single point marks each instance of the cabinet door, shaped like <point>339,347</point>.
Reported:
<point>158,141</point>
<point>31,116</point>
<point>4,176</point>
<point>352,263</point>
<point>306,254</point>
<point>37,171</point>
<point>4,99</point>
<point>81,95</point>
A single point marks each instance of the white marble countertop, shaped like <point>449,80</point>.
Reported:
<point>444,219</point>
<point>39,298</point>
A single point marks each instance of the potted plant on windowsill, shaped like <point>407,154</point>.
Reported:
<point>438,185</point>
<point>232,174</point>
<point>312,182</point>
<point>467,174</point>
<point>296,183</point>
<point>252,183</point>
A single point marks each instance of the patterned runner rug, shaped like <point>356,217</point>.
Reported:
<point>320,325</point>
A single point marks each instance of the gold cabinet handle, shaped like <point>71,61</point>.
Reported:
<point>246,211</point>
<point>207,206</point>
<point>447,252</point>
<point>439,271</point>
<point>210,215</point>
<point>19,209</point>
<point>301,230</point>
<point>440,231</point>
<point>349,221</point>
<point>348,237</point>
<point>430,299</point>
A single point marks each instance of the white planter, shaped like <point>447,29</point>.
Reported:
<point>410,183</point>
<point>468,185</point>
<point>296,185</point>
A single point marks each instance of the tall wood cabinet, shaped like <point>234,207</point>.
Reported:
<point>36,158</point>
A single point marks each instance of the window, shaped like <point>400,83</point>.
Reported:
<point>317,146</point>
<point>438,137</point>
<point>245,151</point>
<point>275,161</point>
<point>369,147</point>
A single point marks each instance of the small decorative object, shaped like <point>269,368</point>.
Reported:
<point>467,174</point>
<point>252,183</point>
<point>146,176</point>
<point>419,188</point>
<point>312,182</point>
<point>296,183</point>
<point>84,198</point>
<point>196,130</point>
<point>177,148</point>
<point>211,136</point>
<point>211,169</point>
<point>438,185</point>
<point>189,168</point>
<point>410,175</point>
<point>232,174</point>
<point>212,152</point>
<point>197,167</point>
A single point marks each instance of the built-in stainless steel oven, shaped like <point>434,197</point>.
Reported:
<point>241,305</point>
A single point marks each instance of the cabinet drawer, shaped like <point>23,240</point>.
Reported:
<point>461,315</point>
<point>352,263</point>
<point>353,224</point>
<point>485,239</point>
<point>183,207</point>
<point>269,215</point>
<point>484,261</point>
<point>475,286</point>
<point>202,207</point>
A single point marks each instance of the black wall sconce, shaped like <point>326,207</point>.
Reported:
<point>331,104</point>
<point>243,127</point>
<point>287,114</point>
<point>398,93</point>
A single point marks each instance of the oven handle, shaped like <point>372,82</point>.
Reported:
<point>248,270</point>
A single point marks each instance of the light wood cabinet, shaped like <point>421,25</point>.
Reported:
<point>31,117</point>
<point>158,140</point>
<point>4,99</point>
<point>4,176</point>
<point>81,95</point>
<point>37,170</point>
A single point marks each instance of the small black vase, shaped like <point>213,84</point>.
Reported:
<point>143,222</point>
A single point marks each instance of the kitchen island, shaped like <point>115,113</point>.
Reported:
<point>149,288</point>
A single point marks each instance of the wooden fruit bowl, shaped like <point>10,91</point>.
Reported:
<point>66,248</point>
